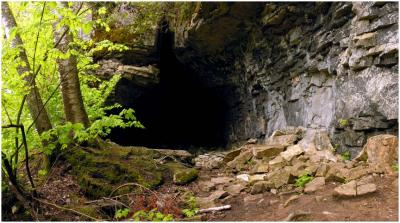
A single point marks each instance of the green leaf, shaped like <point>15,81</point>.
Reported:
<point>102,11</point>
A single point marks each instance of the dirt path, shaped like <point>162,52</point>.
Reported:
<point>322,206</point>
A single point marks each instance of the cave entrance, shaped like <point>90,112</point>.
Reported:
<point>180,112</point>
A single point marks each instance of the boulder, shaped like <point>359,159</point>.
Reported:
<point>234,189</point>
<point>297,169</point>
<point>365,189</point>
<point>380,151</point>
<point>260,168</point>
<point>282,139</point>
<point>320,156</point>
<point>354,188</point>
<point>184,175</point>
<point>359,171</point>
<point>182,155</point>
<point>261,186</point>
<point>276,163</point>
<point>267,150</point>
<point>231,155</point>
<point>311,168</point>
<point>291,152</point>
<point>346,190</point>
<point>314,185</point>
<point>336,173</point>
<point>279,178</point>
<point>316,140</point>
<point>322,170</point>
<point>256,177</point>
<point>366,180</point>
<point>240,161</point>
<point>214,163</point>
<point>243,177</point>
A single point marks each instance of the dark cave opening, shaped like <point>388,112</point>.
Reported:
<point>180,112</point>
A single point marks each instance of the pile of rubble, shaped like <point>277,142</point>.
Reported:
<point>290,154</point>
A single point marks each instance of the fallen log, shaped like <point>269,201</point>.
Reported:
<point>221,208</point>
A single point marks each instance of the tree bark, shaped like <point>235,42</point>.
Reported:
<point>34,99</point>
<point>70,88</point>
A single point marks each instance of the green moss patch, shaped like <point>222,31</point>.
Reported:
<point>182,174</point>
<point>100,171</point>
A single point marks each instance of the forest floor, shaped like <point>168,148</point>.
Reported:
<point>319,206</point>
<point>62,191</point>
<point>382,205</point>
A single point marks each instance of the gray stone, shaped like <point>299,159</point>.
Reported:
<point>267,151</point>
<point>346,190</point>
<point>243,177</point>
<point>381,151</point>
<point>291,152</point>
<point>279,178</point>
<point>314,185</point>
<point>366,189</point>
<point>322,170</point>
<point>282,139</point>
<point>231,155</point>
<point>316,140</point>
<point>261,186</point>
<point>241,160</point>
<point>336,173</point>
<point>234,189</point>
<point>256,177</point>
<point>261,168</point>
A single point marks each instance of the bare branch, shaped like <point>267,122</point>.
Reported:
<point>67,209</point>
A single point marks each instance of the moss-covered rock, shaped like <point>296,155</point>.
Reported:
<point>100,171</point>
<point>182,174</point>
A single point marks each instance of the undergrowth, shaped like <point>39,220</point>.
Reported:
<point>303,180</point>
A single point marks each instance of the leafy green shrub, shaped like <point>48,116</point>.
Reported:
<point>122,213</point>
<point>192,206</point>
<point>152,215</point>
<point>345,155</point>
<point>303,180</point>
<point>189,212</point>
<point>101,127</point>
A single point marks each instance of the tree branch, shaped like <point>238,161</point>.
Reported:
<point>26,153</point>
<point>67,209</point>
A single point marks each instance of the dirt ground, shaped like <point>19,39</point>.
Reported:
<point>321,206</point>
<point>61,189</point>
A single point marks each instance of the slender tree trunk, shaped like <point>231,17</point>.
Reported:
<point>70,88</point>
<point>34,100</point>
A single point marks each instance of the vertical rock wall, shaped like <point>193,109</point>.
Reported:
<point>330,66</point>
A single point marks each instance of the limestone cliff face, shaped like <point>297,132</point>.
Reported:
<point>330,66</point>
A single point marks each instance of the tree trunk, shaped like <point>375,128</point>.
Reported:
<point>70,88</point>
<point>34,100</point>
